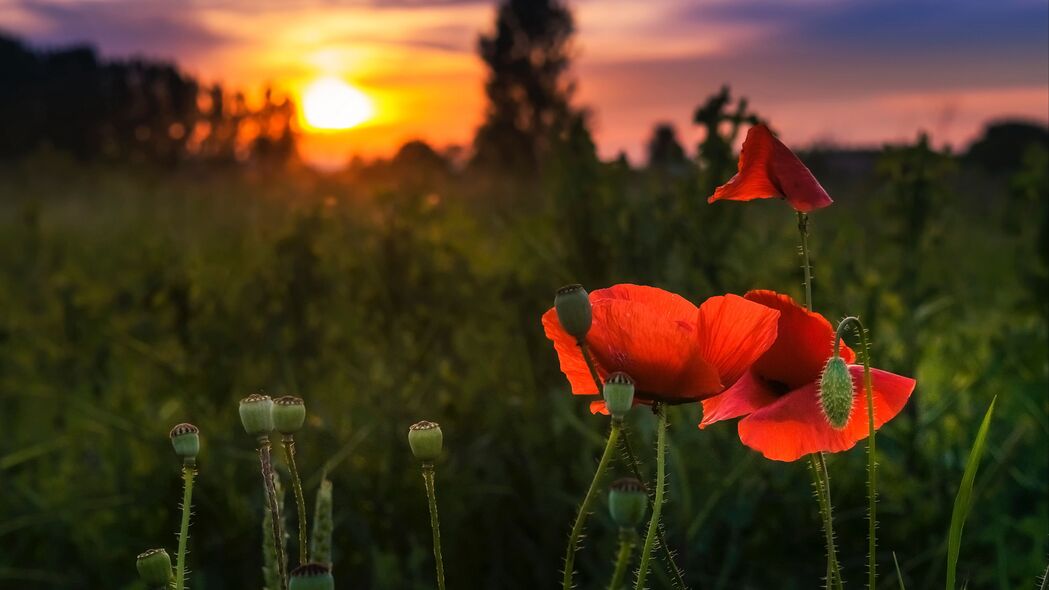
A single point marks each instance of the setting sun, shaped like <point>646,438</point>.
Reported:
<point>329,104</point>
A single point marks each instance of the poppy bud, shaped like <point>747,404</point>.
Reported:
<point>426,440</point>
<point>185,438</point>
<point>573,310</point>
<point>619,394</point>
<point>836,392</point>
<point>256,414</point>
<point>311,576</point>
<point>627,502</point>
<point>154,567</point>
<point>289,413</point>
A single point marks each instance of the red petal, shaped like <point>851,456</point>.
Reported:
<point>753,181</point>
<point>651,335</point>
<point>733,333</point>
<point>747,395</point>
<point>768,169</point>
<point>794,425</point>
<point>568,353</point>
<point>803,344</point>
<point>598,407</point>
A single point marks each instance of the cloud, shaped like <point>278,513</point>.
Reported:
<point>122,28</point>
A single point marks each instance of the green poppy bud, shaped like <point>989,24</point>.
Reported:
<point>154,567</point>
<point>289,413</point>
<point>311,576</point>
<point>185,438</point>
<point>426,440</point>
<point>627,502</point>
<point>619,394</point>
<point>573,310</point>
<point>256,414</point>
<point>836,397</point>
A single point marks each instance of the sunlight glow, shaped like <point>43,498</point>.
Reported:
<point>329,104</point>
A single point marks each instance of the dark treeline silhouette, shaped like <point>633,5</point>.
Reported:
<point>73,101</point>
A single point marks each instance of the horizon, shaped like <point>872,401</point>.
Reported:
<point>824,73</point>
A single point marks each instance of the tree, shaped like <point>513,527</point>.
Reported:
<point>528,57</point>
<point>664,149</point>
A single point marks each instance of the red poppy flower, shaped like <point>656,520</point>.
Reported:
<point>779,395</point>
<point>767,170</point>
<point>675,352</point>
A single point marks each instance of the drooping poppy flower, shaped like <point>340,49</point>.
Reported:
<point>675,352</point>
<point>768,170</point>
<point>779,396</point>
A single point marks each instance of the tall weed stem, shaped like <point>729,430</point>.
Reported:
<point>657,508</point>
<point>584,508</point>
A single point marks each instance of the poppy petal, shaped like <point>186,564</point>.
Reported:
<point>769,169</point>
<point>571,358</point>
<point>753,180</point>
<point>598,407</point>
<point>648,338</point>
<point>733,333</point>
<point>749,394</point>
<point>794,426</point>
<point>796,181</point>
<point>804,342</point>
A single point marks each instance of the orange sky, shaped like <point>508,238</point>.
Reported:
<point>852,72</point>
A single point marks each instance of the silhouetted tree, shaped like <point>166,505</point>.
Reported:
<point>528,91</point>
<point>664,150</point>
<point>1004,144</point>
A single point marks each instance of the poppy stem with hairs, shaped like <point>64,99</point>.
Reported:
<point>627,539</point>
<point>657,507</point>
<point>588,499</point>
<point>435,525</point>
<point>266,467</point>
<point>872,464</point>
<point>820,476</point>
<point>635,469</point>
<point>188,472</point>
<point>288,442</point>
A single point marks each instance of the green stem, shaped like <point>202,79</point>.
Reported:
<point>803,229</point>
<point>584,508</point>
<point>188,472</point>
<point>266,465</point>
<point>288,442</point>
<point>821,481</point>
<point>435,525</point>
<point>657,508</point>
<point>627,539</point>
<point>872,465</point>
<point>635,468</point>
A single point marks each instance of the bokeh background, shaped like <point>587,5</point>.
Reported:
<point>175,234</point>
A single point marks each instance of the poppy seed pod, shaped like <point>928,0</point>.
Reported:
<point>185,438</point>
<point>289,413</point>
<point>311,576</point>
<point>836,396</point>
<point>256,414</point>
<point>619,394</point>
<point>572,303</point>
<point>154,567</point>
<point>627,502</point>
<point>426,440</point>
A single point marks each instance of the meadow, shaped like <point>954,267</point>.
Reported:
<point>136,296</point>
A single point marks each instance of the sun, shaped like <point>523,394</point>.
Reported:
<point>329,104</point>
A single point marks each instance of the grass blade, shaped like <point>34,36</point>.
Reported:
<point>899,574</point>
<point>963,501</point>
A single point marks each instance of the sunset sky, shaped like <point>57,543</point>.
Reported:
<point>852,72</point>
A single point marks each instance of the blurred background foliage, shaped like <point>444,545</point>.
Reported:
<point>139,291</point>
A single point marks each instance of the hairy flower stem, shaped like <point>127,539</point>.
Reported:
<point>657,508</point>
<point>803,229</point>
<point>435,525</point>
<point>872,465</point>
<point>266,465</point>
<point>288,442</point>
<point>189,470</point>
<point>821,478</point>
<point>821,481</point>
<point>584,508</point>
<point>635,468</point>
<point>627,540</point>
